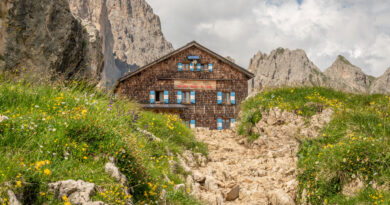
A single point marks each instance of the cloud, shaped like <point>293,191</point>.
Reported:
<point>357,29</point>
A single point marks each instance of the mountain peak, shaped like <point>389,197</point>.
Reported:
<point>284,67</point>
<point>342,59</point>
<point>382,83</point>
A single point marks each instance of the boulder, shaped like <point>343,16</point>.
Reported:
<point>210,183</point>
<point>198,177</point>
<point>114,172</point>
<point>279,197</point>
<point>233,194</point>
<point>78,192</point>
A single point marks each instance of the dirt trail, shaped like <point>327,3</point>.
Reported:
<point>257,170</point>
<point>264,170</point>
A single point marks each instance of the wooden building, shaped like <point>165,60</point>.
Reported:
<point>202,87</point>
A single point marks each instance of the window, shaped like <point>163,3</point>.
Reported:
<point>226,124</point>
<point>187,122</point>
<point>159,97</point>
<point>186,97</point>
<point>226,98</point>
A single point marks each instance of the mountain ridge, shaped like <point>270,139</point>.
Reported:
<point>285,67</point>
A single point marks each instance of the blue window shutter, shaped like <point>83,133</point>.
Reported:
<point>166,97</point>
<point>152,97</point>
<point>191,67</point>
<point>219,124</point>
<point>211,67</point>
<point>179,97</point>
<point>192,97</point>
<point>219,97</point>
<point>179,66</point>
<point>198,67</point>
<point>192,124</point>
<point>233,98</point>
<point>232,122</point>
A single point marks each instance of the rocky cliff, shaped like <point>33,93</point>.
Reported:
<point>42,38</point>
<point>382,84</point>
<point>131,30</point>
<point>347,77</point>
<point>283,67</point>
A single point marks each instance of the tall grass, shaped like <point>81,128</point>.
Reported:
<point>69,131</point>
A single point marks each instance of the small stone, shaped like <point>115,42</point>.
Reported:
<point>12,198</point>
<point>198,177</point>
<point>114,172</point>
<point>180,186</point>
<point>233,194</point>
<point>279,197</point>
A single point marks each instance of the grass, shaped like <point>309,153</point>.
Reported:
<point>355,144</point>
<point>69,131</point>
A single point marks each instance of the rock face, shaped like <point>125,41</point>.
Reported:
<point>131,32</point>
<point>347,77</point>
<point>283,67</point>
<point>382,84</point>
<point>42,38</point>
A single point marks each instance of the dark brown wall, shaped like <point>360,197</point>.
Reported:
<point>206,111</point>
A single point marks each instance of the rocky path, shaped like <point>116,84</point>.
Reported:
<point>263,172</point>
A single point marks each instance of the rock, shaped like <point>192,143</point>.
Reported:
<point>114,172</point>
<point>381,84</point>
<point>279,197</point>
<point>190,159</point>
<point>283,67</point>
<point>180,186</point>
<point>3,118</point>
<point>200,159</point>
<point>131,32</point>
<point>233,193</point>
<point>350,189</point>
<point>12,198</point>
<point>42,40</point>
<point>78,192</point>
<point>210,184</point>
<point>189,182</point>
<point>183,164</point>
<point>344,76</point>
<point>151,136</point>
<point>198,177</point>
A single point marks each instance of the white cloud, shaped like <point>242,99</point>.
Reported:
<point>357,29</point>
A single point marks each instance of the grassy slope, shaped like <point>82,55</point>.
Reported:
<point>68,132</point>
<point>354,144</point>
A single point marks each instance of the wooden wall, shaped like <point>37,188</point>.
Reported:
<point>206,111</point>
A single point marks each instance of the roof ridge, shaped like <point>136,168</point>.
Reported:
<point>192,43</point>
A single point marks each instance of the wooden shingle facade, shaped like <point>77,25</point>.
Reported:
<point>202,87</point>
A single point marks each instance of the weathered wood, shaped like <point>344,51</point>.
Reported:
<point>206,110</point>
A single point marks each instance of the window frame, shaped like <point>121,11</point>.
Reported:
<point>159,95</point>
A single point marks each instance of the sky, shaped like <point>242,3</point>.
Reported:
<point>356,29</point>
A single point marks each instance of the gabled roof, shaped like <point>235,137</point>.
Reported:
<point>189,45</point>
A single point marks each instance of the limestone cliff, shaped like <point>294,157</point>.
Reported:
<point>347,77</point>
<point>382,84</point>
<point>283,67</point>
<point>42,38</point>
<point>131,30</point>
